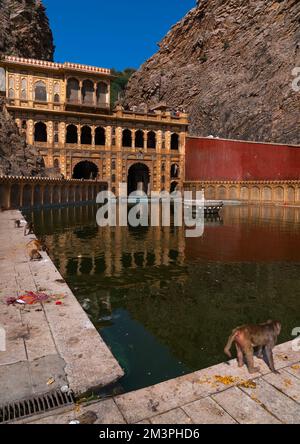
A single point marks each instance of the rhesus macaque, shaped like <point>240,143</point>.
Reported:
<point>36,245</point>
<point>264,336</point>
<point>35,255</point>
<point>17,223</point>
<point>28,229</point>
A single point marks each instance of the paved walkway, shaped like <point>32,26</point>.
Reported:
<point>222,394</point>
<point>45,342</point>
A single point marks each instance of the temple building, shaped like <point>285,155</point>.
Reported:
<point>65,111</point>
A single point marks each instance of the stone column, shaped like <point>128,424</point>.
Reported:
<point>93,136</point>
<point>30,132</point>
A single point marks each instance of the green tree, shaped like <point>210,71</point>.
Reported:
<point>119,83</point>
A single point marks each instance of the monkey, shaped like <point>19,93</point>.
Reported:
<point>28,229</point>
<point>35,255</point>
<point>264,336</point>
<point>17,223</point>
<point>37,245</point>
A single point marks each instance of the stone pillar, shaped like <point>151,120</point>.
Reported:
<point>133,131</point>
<point>79,135</point>
<point>30,132</point>
<point>108,137</point>
<point>93,136</point>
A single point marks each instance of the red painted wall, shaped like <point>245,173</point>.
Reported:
<point>219,159</point>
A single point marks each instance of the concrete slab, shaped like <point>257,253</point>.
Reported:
<point>286,383</point>
<point>294,370</point>
<point>275,402</point>
<point>243,408</point>
<point>207,411</point>
<point>176,416</point>
<point>15,382</point>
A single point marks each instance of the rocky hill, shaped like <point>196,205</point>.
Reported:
<point>229,64</point>
<point>24,32</point>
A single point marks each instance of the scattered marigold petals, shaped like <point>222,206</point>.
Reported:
<point>226,380</point>
<point>248,384</point>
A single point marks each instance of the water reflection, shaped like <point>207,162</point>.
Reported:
<point>165,303</point>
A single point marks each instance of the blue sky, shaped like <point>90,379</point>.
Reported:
<point>113,34</point>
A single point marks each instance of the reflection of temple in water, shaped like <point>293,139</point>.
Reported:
<point>86,249</point>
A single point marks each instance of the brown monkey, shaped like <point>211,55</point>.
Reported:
<point>28,229</point>
<point>17,223</point>
<point>37,245</point>
<point>264,336</point>
<point>35,255</point>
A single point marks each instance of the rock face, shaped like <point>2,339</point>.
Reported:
<point>24,32</point>
<point>16,158</point>
<point>229,64</point>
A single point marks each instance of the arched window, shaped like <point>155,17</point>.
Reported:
<point>174,141</point>
<point>174,171</point>
<point>127,138</point>
<point>56,138</point>
<point>40,132</point>
<point>139,139</point>
<point>40,91</point>
<point>87,92</point>
<point>56,92</point>
<point>73,90</point>
<point>24,124</point>
<point>100,136</point>
<point>72,134</point>
<point>56,164</point>
<point>113,165</point>
<point>113,178</point>
<point>24,89</point>
<point>151,140</point>
<point>86,135</point>
<point>102,91</point>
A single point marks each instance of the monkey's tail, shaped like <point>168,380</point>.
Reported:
<point>229,344</point>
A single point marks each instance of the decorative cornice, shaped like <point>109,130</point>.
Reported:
<point>67,66</point>
<point>48,179</point>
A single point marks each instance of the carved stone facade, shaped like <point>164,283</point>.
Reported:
<point>64,110</point>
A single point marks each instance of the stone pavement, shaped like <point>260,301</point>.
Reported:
<point>222,394</point>
<point>44,341</point>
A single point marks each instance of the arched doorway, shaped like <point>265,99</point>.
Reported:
<point>138,178</point>
<point>85,170</point>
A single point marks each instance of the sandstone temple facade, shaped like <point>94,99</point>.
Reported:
<point>64,110</point>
